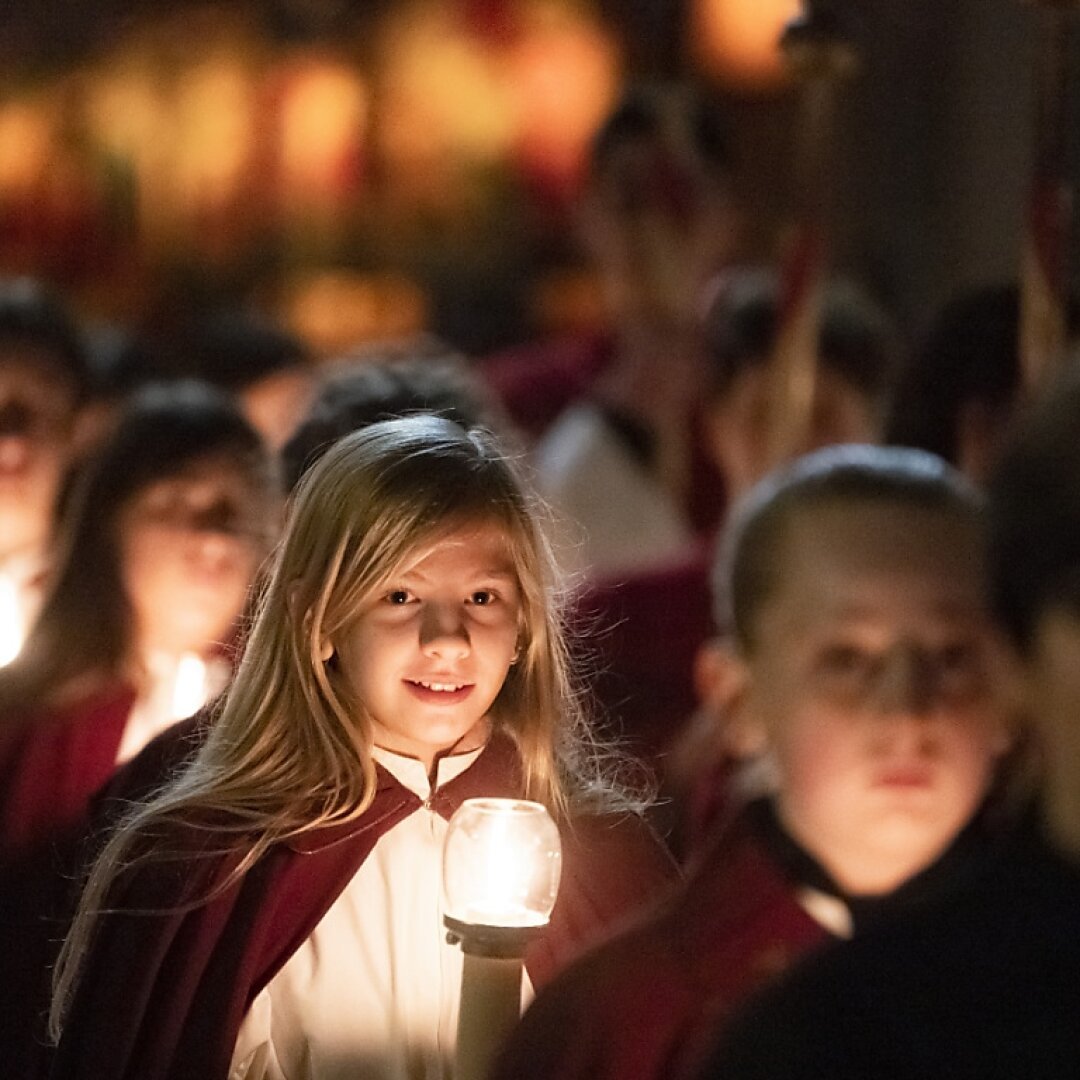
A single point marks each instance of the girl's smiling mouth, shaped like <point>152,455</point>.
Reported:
<point>442,691</point>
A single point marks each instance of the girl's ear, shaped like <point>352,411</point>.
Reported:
<point>722,680</point>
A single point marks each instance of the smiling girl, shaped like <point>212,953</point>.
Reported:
<point>276,912</point>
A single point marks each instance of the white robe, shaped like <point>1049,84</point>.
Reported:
<point>615,517</point>
<point>374,991</point>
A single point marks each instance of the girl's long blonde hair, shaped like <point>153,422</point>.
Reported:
<point>290,750</point>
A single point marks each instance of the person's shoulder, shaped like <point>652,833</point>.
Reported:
<point>929,977</point>
<point>796,1028</point>
<point>614,862</point>
<point>67,712</point>
<point>537,380</point>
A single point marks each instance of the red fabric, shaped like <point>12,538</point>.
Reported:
<point>536,381</point>
<point>53,762</point>
<point>636,1008</point>
<point>164,992</point>
<point>644,631</point>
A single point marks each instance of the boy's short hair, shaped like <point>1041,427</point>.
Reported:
<point>32,315</point>
<point>749,567</point>
<point>857,338</point>
<point>1034,513</point>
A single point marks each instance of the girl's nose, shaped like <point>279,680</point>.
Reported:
<point>443,632</point>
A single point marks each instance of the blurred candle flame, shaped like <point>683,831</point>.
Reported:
<point>12,623</point>
<point>190,686</point>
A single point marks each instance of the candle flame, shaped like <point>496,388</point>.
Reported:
<point>502,863</point>
<point>12,622</point>
<point>190,687</point>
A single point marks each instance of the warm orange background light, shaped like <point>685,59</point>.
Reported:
<point>737,40</point>
<point>335,311</point>
<point>214,117</point>
<point>441,94</point>
<point>563,73</point>
<point>323,124</point>
<point>26,144</point>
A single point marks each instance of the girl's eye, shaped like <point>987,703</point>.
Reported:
<point>398,596</point>
<point>482,597</point>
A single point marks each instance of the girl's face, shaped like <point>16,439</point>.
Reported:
<point>429,654</point>
<point>189,547</point>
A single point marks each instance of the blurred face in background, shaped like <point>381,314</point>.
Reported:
<point>873,688</point>
<point>659,222</point>
<point>190,545</point>
<point>738,423</point>
<point>38,413</point>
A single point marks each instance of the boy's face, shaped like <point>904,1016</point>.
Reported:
<point>873,685</point>
<point>738,423</point>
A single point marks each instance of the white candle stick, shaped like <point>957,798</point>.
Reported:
<point>501,868</point>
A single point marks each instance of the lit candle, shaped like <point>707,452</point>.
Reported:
<point>190,689</point>
<point>12,622</point>
<point>501,865</point>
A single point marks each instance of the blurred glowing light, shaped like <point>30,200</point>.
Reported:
<point>190,688</point>
<point>564,75</point>
<point>127,114</point>
<point>215,126</point>
<point>443,97</point>
<point>26,144</point>
<point>335,311</point>
<point>323,120</point>
<point>124,112</point>
<point>737,40</point>
<point>12,628</point>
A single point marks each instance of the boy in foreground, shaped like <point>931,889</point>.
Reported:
<point>862,683</point>
<point>985,982</point>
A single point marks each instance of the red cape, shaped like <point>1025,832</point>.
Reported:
<point>638,1007</point>
<point>51,764</point>
<point>163,995</point>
